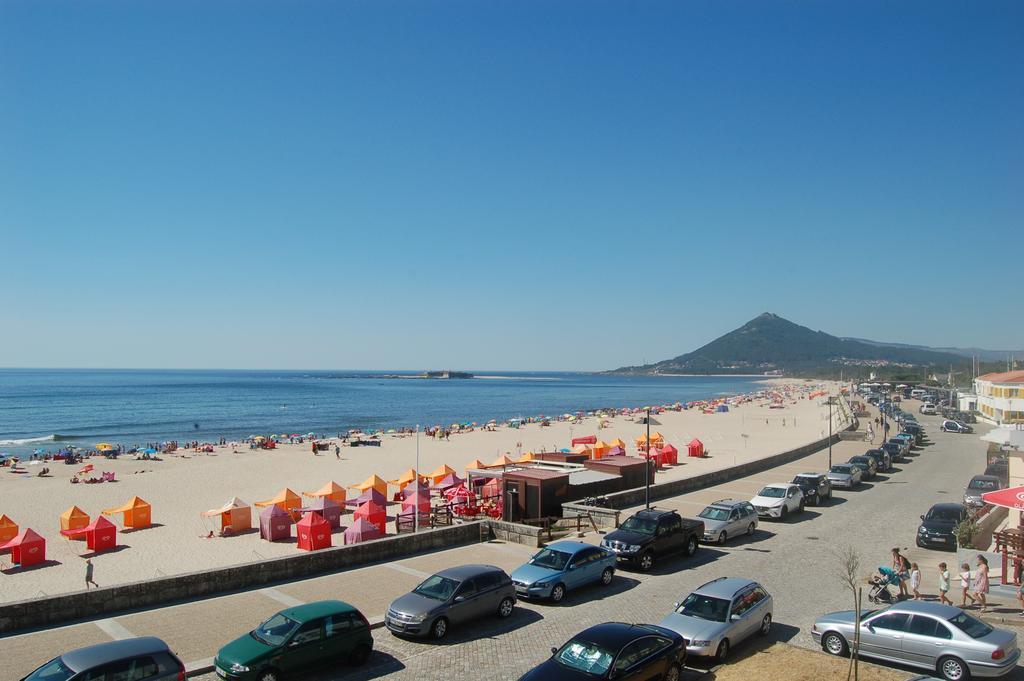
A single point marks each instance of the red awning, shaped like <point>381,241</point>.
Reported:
<point>1009,498</point>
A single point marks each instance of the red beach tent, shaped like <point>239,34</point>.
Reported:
<point>669,455</point>
<point>361,530</point>
<point>275,524</point>
<point>27,548</point>
<point>314,532</point>
<point>588,440</point>
<point>100,535</point>
<point>373,514</point>
<point>419,500</point>
<point>695,448</point>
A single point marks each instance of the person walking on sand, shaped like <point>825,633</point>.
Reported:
<point>337,452</point>
<point>981,582</point>
<point>965,585</point>
<point>915,581</point>
<point>944,585</point>
<point>88,574</point>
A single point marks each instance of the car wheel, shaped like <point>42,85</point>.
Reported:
<point>646,561</point>
<point>834,644</point>
<point>953,669</point>
<point>750,530</point>
<point>269,675</point>
<point>558,593</point>
<point>723,651</point>
<point>672,674</point>
<point>606,576</point>
<point>722,537</point>
<point>766,625</point>
<point>505,607</point>
<point>800,508</point>
<point>440,628</point>
<point>359,656</point>
<point>782,514</point>
<point>691,546</point>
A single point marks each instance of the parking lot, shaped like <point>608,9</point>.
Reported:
<point>795,560</point>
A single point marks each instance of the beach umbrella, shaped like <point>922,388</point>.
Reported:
<point>149,450</point>
<point>1003,435</point>
<point>369,494</point>
<point>1012,498</point>
<point>419,500</point>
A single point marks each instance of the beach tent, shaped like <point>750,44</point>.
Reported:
<point>475,464</point>
<point>617,442</point>
<point>369,495</point>
<point>286,500</point>
<point>409,490</point>
<point>722,408</point>
<point>275,524</point>
<point>501,461</point>
<point>657,438</point>
<point>27,548</point>
<point>235,515</point>
<point>332,491</point>
<point>669,455</point>
<point>8,529</point>
<point>373,514</point>
<point>616,451</point>
<point>326,508</point>
<point>441,473</point>
<point>491,489</point>
<point>600,450</point>
<point>582,449</point>
<point>100,535</point>
<point>587,440</point>
<point>314,532</point>
<point>450,480</point>
<point>373,482</point>
<point>419,500</point>
<point>406,478</point>
<point>525,458</point>
<point>361,530</point>
<point>695,448</point>
<point>72,519</point>
<point>104,446</point>
<point>137,513</point>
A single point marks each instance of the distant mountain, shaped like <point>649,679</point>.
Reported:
<point>770,343</point>
<point>982,354</point>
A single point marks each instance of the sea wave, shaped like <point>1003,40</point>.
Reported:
<point>30,440</point>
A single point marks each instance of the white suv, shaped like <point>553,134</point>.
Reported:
<point>927,408</point>
<point>778,501</point>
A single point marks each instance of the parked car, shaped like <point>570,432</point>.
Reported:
<point>883,458</point>
<point>720,615</point>
<point>980,484</point>
<point>779,500</point>
<point>146,658</point>
<point>651,533</point>
<point>728,518</point>
<point>916,430</point>
<point>296,639</point>
<point>927,408</point>
<point>561,566</point>
<point>815,486</point>
<point>950,426</point>
<point>936,528</point>
<point>923,634</point>
<point>905,438</point>
<point>1000,468</point>
<point>844,475</point>
<point>965,417</point>
<point>625,652</point>
<point>866,464</point>
<point>894,449</point>
<point>453,596</point>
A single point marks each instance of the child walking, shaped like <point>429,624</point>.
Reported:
<point>965,585</point>
<point>915,581</point>
<point>944,587</point>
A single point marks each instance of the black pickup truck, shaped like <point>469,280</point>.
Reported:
<point>647,535</point>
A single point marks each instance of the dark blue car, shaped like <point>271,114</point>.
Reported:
<point>630,652</point>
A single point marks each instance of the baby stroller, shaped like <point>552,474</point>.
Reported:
<point>879,592</point>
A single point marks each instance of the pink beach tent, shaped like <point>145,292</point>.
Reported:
<point>450,480</point>
<point>373,514</point>
<point>695,448</point>
<point>669,455</point>
<point>361,530</point>
<point>275,524</point>
<point>418,500</point>
<point>369,495</point>
<point>326,508</point>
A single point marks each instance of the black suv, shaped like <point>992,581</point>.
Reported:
<point>651,533</point>
<point>815,486</point>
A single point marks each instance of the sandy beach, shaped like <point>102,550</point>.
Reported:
<point>180,487</point>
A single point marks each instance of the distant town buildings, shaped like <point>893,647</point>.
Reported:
<point>1001,397</point>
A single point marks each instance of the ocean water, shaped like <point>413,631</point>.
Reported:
<point>50,408</point>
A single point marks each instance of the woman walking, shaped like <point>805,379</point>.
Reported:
<point>981,582</point>
<point>901,566</point>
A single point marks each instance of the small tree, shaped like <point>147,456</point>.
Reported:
<point>849,576</point>
<point>965,531</point>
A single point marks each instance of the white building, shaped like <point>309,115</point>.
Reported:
<point>1001,397</point>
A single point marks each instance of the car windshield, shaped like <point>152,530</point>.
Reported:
<point>859,459</point>
<point>585,656</point>
<point>712,513</point>
<point>971,626</point>
<point>704,607</point>
<point>54,670</point>
<point>842,468</point>
<point>437,587</point>
<point>805,482</point>
<point>641,525</point>
<point>983,484</point>
<point>556,560</point>
<point>951,514</point>
<point>774,492</point>
<point>275,631</point>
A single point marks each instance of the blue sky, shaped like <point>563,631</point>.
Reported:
<point>519,185</point>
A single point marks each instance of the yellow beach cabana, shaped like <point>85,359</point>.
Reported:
<point>373,482</point>
<point>8,529</point>
<point>137,513</point>
<point>525,458</point>
<point>441,473</point>
<point>600,449</point>
<point>332,491</point>
<point>475,464</point>
<point>501,462</point>
<point>617,442</point>
<point>74,519</point>
<point>286,500</point>
<point>405,479</point>
<point>234,515</point>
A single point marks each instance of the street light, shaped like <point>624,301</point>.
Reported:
<point>416,480</point>
<point>647,474</point>
<point>830,432</point>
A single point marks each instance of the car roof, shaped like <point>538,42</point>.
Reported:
<point>729,503</point>
<point>988,478</point>
<point>112,651</point>
<point>946,506</point>
<point>783,485</point>
<point>926,608</point>
<point>463,572</point>
<point>654,512</point>
<point>808,475</point>
<point>724,587</point>
<point>311,611</point>
<point>616,634</point>
<point>569,546</point>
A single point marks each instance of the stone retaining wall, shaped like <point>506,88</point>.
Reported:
<point>528,535</point>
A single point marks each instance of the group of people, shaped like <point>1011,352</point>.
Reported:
<point>973,585</point>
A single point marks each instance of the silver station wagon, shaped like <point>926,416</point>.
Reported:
<point>923,634</point>
<point>728,518</point>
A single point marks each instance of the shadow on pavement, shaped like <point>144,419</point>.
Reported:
<point>379,665</point>
<point>468,631</point>
<point>667,565</point>
<point>595,592</point>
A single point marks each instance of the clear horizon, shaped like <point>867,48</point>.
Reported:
<point>562,186</point>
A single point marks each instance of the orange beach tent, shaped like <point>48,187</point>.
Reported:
<point>617,442</point>
<point>73,519</point>
<point>332,491</point>
<point>137,513</point>
<point>475,464</point>
<point>441,473</point>
<point>235,515</point>
<point>286,500</point>
<point>373,482</point>
<point>525,458</point>
<point>8,529</point>
<point>501,461</point>
<point>405,479</point>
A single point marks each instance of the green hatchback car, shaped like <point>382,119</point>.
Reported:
<point>296,639</point>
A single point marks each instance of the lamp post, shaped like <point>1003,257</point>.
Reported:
<point>830,432</point>
<point>647,473</point>
<point>416,480</point>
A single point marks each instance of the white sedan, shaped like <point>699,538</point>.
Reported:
<point>778,501</point>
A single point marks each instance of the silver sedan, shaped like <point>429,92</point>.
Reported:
<point>923,634</point>
<point>844,475</point>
